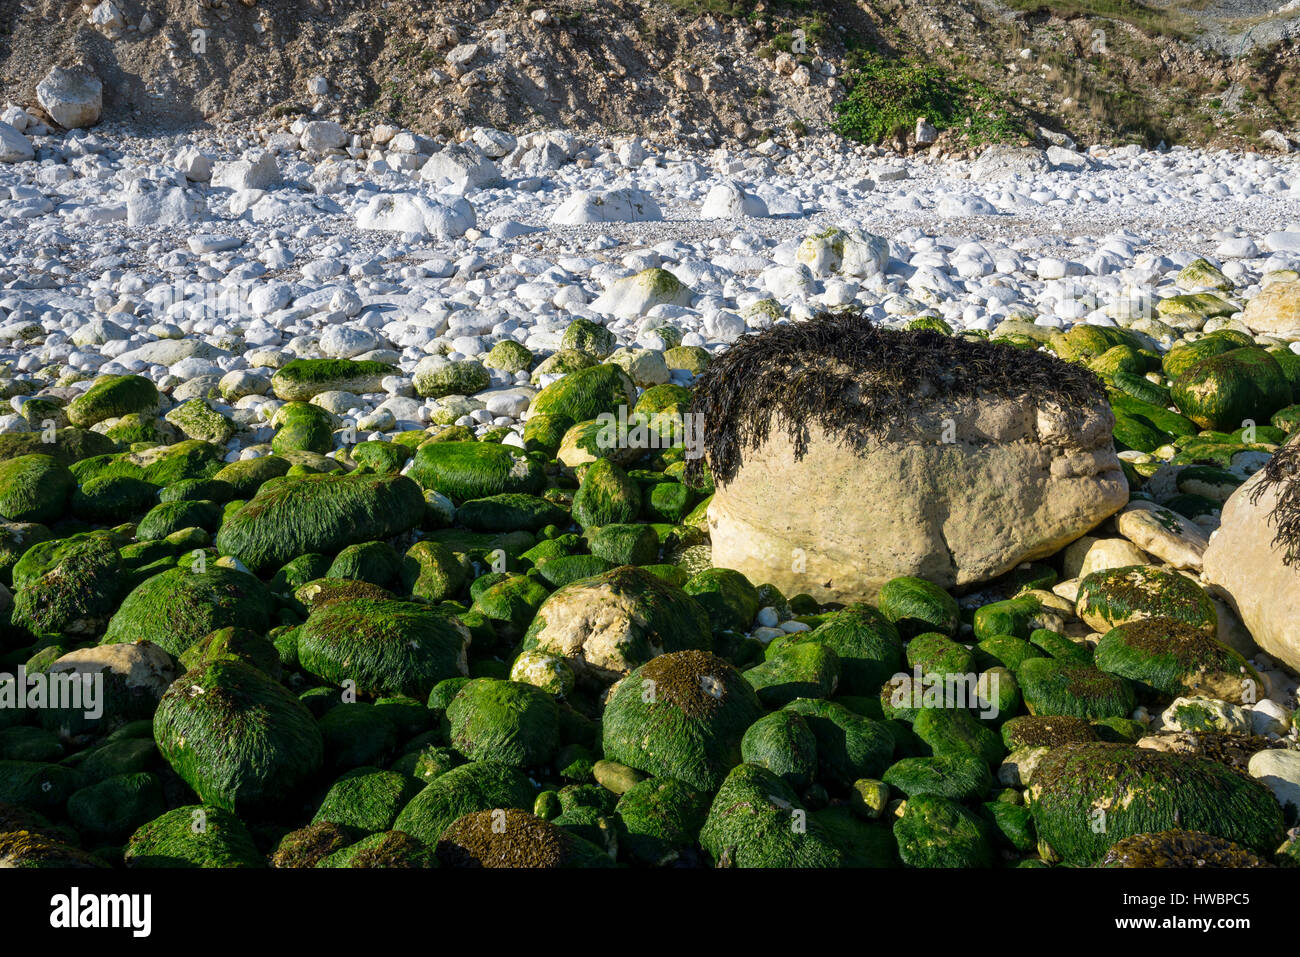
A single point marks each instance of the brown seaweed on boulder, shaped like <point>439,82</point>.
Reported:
<point>856,379</point>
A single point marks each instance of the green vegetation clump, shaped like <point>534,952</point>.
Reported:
<point>886,95</point>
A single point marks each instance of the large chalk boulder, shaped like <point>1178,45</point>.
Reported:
<point>607,206</point>
<point>74,97</point>
<point>846,455</point>
<point>1253,558</point>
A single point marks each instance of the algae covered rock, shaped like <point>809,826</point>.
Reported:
<point>1179,848</point>
<point>611,623</point>
<point>308,846</point>
<point>587,393</point>
<point>197,835</point>
<point>1129,593</point>
<point>756,820</point>
<point>661,819</point>
<point>849,746</point>
<point>783,743</point>
<point>239,739</point>
<point>1087,797</point>
<point>727,596</point>
<point>475,470</point>
<point>937,832</point>
<point>867,645</point>
<point>506,721</point>
<point>915,605</point>
<point>113,396</point>
<point>509,837</point>
<point>367,799</point>
<point>607,496</point>
<point>477,786</point>
<point>1171,658</point>
<point>383,646</point>
<point>387,850</point>
<point>34,488</point>
<point>176,608</point>
<point>681,715</point>
<point>1075,689</point>
<point>302,379</point>
<point>68,586</point>
<point>800,670</point>
<point>319,513</point>
<point>1224,391</point>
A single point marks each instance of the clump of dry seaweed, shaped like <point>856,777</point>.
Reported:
<point>855,379</point>
<point>1283,472</point>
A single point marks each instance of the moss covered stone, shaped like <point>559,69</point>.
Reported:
<point>34,488</point>
<point>661,820</point>
<point>606,496</point>
<point>308,846</point>
<point>955,731</point>
<point>366,799</point>
<point>957,777</point>
<point>113,499</point>
<point>198,420</point>
<point>430,571</point>
<point>1134,790</point>
<point>193,836</point>
<point>1008,650</point>
<point>178,607</point>
<point>800,670</point>
<point>302,379</point>
<point>506,721</point>
<point>937,832</point>
<point>438,376</point>
<point>1009,617</point>
<point>112,809</point>
<point>609,624</point>
<point>915,606</point>
<point>1033,731</point>
<point>246,476</point>
<point>37,785</point>
<point>1074,689</point>
<point>783,743</point>
<point>1221,392</point>
<point>1168,657</point>
<point>239,739</point>
<point>867,643</point>
<point>374,562</point>
<point>478,786</point>
<point>113,396</point>
<point>508,512</point>
<point>936,654</point>
<point>681,715</point>
<point>475,470</point>
<point>320,513</point>
<point>624,544</point>
<point>756,820</point>
<point>166,518</point>
<point>1116,596</point>
<point>384,646</point>
<point>1179,848</point>
<point>68,586</point>
<point>586,394</point>
<point>849,746</point>
<point>583,335</point>
<point>69,445</point>
<point>509,837</point>
<point>303,427</point>
<point>727,596</point>
<point>387,850</point>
